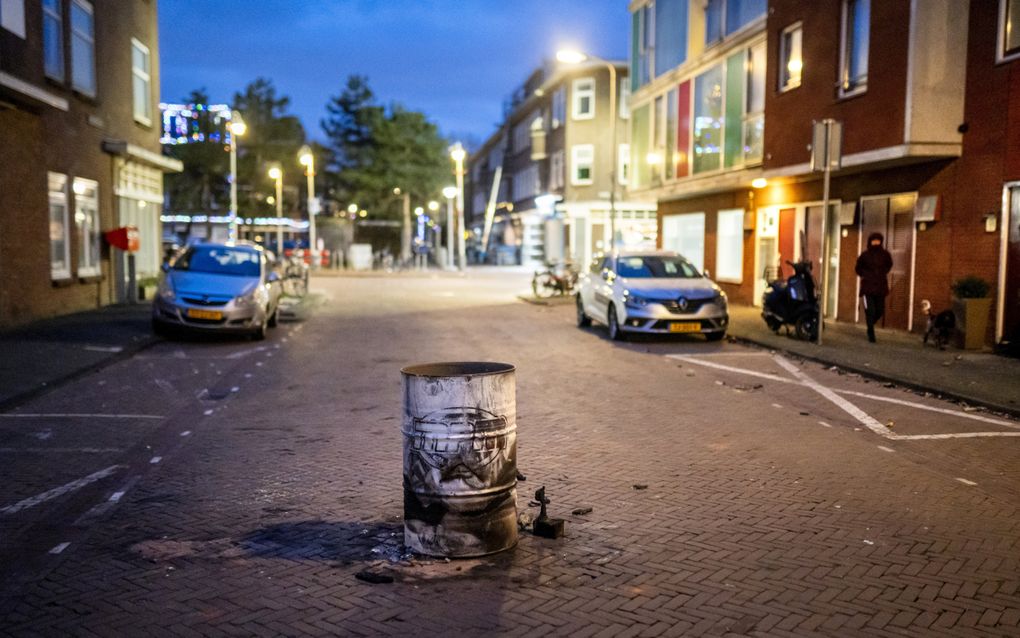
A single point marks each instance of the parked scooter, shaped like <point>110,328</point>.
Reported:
<point>792,303</point>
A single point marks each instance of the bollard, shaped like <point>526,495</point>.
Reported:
<point>460,458</point>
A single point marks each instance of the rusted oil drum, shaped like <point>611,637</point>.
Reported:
<point>460,458</point>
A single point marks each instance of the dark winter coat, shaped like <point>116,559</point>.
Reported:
<point>873,267</point>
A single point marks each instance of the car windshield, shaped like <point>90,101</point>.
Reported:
<point>220,260</point>
<point>656,267</point>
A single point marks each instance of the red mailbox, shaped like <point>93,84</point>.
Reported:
<point>126,238</point>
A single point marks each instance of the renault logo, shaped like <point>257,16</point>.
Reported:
<point>681,303</point>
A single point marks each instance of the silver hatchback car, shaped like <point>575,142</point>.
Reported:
<point>213,287</point>
<point>651,292</point>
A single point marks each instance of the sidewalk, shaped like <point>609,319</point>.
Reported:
<point>977,378</point>
<point>46,353</point>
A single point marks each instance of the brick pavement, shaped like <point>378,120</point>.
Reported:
<point>754,522</point>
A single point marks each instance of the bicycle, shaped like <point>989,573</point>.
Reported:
<point>556,279</point>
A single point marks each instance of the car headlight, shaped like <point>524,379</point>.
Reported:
<point>166,291</point>
<point>253,298</point>
<point>634,301</point>
<point>720,299</point>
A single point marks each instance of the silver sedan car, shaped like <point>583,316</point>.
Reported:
<point>651,292</point>
<point>213,287</point>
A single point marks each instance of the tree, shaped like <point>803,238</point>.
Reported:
<point>272,136</point>
<point>374,149</point>
<point>202,187</point>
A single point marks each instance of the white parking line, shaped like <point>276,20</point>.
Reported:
<point>58,491</point>
<point>60,450</point>
<point>841,403</point>
<point>154,460</point>
<point>824,423</point>
<point>886,449</point>
<point>873,397</point>
<point>965,481</point>
<point>59,548</point>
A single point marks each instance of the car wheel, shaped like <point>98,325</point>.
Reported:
<point>260,332</point>
<point>583,320</point>
<point>806,327</point>
<point>274,319</point>
<point>715,336</point>
<point>614,326</point>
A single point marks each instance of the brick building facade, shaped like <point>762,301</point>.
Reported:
<point>79,151</point>
<point>926,93</point>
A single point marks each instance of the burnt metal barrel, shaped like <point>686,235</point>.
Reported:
<point>460,458</point>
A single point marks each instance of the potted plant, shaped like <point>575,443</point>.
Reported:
<point>972,305</point>
<point>147,288</point>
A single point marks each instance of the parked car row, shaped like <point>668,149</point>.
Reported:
<point>655,292</point>
<point>214,287</point>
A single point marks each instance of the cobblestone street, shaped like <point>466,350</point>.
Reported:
<point>733,491</point>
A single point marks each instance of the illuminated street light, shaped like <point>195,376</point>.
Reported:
<point>433,206</point>
<point>574,57</point>
<point>237,128</point>
<point>276,174</point>
<point>450,192</point>
<point>458,154</point>
<point>419,211</point>
<point>760,182</point>
<point>353,208</point>
<point>307,159</point>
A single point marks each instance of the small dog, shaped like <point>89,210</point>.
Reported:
<point>939,327</point>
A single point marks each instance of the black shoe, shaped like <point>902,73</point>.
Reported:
<point>871,335</point>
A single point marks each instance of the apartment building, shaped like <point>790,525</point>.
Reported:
<point>79,152</point>
<point>928,148</point>
<point>545,179</point>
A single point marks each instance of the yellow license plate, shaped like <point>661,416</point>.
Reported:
<point>685,326</point>
<point>196,313</point>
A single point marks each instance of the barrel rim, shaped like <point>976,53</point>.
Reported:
<point>457,369</point>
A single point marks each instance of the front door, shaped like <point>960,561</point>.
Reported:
<point>1010,293</point>
<point>787,241</point>
<point>894,218</point>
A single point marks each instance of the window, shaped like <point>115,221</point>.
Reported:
<point>685,234</point>
<point>624,99</point>
<point>1009,29</point>
<point>584,99</point>
<point>520,138</point>
<point>86,219</point>
<point>854,49</point>
<point>729,253</point>
<point>83,48</point>
<point>53,39</point>
<point>556,171</point>
<point>671,18</point>
<point>754,107</point>
<point>559,107</point>
<point>725,17</point>
<point>642,45</point>
<point>657,157</point>
<point>60,247</point>
<point>670,156</point>
<point>12,16</point>
<point>708,124</point>
<point>582,161</point>
<point>141,82</point>
<point>623,164</point>
<point>525,183</point>
<point>790,61</point>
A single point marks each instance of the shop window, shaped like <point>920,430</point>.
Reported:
<point>729,253</point>
<point>685,234</point>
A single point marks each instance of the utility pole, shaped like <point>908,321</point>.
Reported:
<point>405,230</point>
<point>826,154</point>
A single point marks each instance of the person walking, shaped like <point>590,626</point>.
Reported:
<point>873,268</point>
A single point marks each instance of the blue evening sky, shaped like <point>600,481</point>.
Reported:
<point>453,60</point>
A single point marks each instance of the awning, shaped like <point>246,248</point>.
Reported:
<point>134,152</point>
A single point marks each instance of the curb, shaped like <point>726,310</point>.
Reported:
<point>1011,411</point>
<point>12,402</point>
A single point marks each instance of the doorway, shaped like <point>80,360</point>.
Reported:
<point>1008,320</point>
<point>893,217</point>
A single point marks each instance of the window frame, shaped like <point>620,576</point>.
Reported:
<point>1001,54</point>
<point>860,85</point>
<point>87,7</point>
<point>577,94</point>
<point>750,117</point>
<point>56,15</point>
<point>784,59</point>
<point>575,162</point>
<point>62,199</point>
<point>89,264</point>
<point>146,76</point>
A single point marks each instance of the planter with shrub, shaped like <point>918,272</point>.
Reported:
<point>972,305</point>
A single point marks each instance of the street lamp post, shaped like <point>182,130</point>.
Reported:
<point>307,160</point>
<point>237,128</point>
<point>405,229</point>
<point>457,153</point>
<point>576,57</point>
<point>450,192</point>
<point>276,174</point>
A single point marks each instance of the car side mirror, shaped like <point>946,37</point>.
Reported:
<point>707,274</point>
<point>273,276</point>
